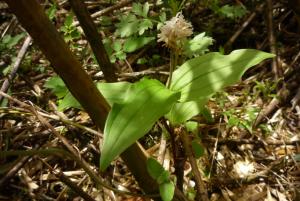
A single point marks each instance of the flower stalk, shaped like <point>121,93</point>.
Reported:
<point>174,34</point>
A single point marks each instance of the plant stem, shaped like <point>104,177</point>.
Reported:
<point>173,64</point>
<point>201,189</point>
<point>178,155</point>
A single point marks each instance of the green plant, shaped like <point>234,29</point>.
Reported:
<point>162,177</point>
<point>8,41</point>
<point>134,31</point>
<point>137,106</point>
<point>265,88</point>
<point>65,99</point>
<point>7,46</point>
<point>52,11</point>
<point>227,11</point>
<point>244,118</point>
<point>69,30</point>
<point>187,91</point>
<point>174,6</point>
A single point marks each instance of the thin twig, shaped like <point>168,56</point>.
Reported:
<point>274,104</point>
<point>73,153</point>
<point>242,28</point>
<point>59,174</point>
<point>248,141</point>
<point>162,149</point>
<point>107,10</point>
<point>16,66</point>
<point>94,39</point>
<point>14,169</point>
<point>53,117</point>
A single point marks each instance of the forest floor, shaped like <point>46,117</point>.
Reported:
<point>251,136</point>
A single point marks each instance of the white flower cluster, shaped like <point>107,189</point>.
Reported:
<point>175,31</point>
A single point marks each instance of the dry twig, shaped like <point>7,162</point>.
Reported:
<point>16,66</point>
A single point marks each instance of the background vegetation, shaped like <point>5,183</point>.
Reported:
<point>240,142</point>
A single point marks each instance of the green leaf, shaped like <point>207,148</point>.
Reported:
<point>57,86</point>
<point>201,77</point>
<point>105,21</point>
<point>141,10</point>
<point>108,46</point>
<point>51,11</point>
<point>120,55</point>
<point>142,60</point>
<point>154,168</point>
<point>163,177</point>
<point>69,20</point>
<point>232,11</point>
<point>134,43</point>
<point>144,25</point>
<point>163,17</point>
<point>197,149</point>
<point>117,92</point>
<point>75,34</point>
<point>10,41</point>
<point>192,126</point>
<point>145,9</point>
<point>117,45</point>
<point>205,112</point>
<point>127,26</point>
<point>198,45</point>
<point>137,8</point>
<point>166,191</point>
<point>182,112</point>
<point>67,102</point>
<point>129,121</point>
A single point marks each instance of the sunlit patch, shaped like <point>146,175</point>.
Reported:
<point>243,168</point>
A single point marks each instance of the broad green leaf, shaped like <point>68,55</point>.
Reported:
<point>127,122</point>
<point>182,112</point>
<point>166,191</point>
<point>67,102</point>
<point>154,168</point>
<point>198,45</point>
<point>57,86</point>
<point>134,43</point>
<point>117,92</point>
<point>197,149</point>
<point>201,77</point>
